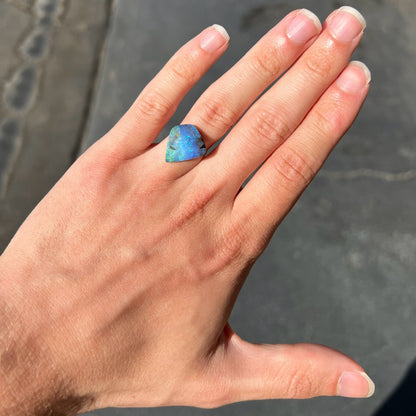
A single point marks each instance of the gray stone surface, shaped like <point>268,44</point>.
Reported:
<point>51,50</point>
<point>341,269</point>
<point>11,35</point>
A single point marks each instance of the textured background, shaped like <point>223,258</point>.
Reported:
<point>340,270</point>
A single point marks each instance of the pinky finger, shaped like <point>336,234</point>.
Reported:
<point>276,186</point>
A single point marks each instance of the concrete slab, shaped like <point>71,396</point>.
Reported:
<point>11,35</point>
<point>51,58</point>
<point>341,269</point>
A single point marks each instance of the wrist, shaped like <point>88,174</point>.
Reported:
<point>32,381</point>
<point>12,397</point>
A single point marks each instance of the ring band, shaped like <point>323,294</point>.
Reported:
<point>184,143</point>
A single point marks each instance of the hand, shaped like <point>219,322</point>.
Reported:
<point>117,289</point>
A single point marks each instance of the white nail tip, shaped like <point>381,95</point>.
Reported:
<point>364,68</point>
<point>371,385</point>
<point>355,13</point>
<point>313,17</point>
<point>222,31</point>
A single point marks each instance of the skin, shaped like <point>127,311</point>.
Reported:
<point>117,289</point>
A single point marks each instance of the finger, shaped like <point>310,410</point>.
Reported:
<point>257,372</point>
<point>276,115</point>
<point>275,187</point>
<point>156,104</point>
<point>224,102</point>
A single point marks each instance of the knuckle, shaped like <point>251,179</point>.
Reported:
<point>215,113</point>
<point>238,243</point>
<point>268,129</point>
<point>293,169</point>
<point>319,65</point>
<point>154,105</point>
<point>300,380</point>
<point>299,385</point>
<point>253,248</point>
<point>231,243</point>
<point>192,205</point>
<point>266,62</point>
<point>185,68</point>
<point>329,120</point>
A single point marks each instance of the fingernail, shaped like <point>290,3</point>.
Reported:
<point>346,24</point>
<point>213,38</point>
<point>355,384</point>
<point>354,78</point>
<point>304,26</point>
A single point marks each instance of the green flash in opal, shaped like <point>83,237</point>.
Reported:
<point>184,143</point>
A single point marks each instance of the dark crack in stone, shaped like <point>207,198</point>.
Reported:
<point>9,132</point>
<point>20,90</point>
<point>35,45</point>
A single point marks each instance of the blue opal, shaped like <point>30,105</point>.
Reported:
<point>184,143</point>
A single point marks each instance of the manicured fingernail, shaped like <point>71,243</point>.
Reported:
<point>213,38</point>
<point>355,384</point>
<point>346,24</point>
<point>354,78</point>
<point>304,26</point>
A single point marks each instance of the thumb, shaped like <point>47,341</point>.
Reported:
<point>256,371</point>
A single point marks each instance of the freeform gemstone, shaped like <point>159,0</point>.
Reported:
<point>184,143</point>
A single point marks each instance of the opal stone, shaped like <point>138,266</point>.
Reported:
<point>184,143</point>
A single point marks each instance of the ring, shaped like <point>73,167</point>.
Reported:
<point>184,143</point>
